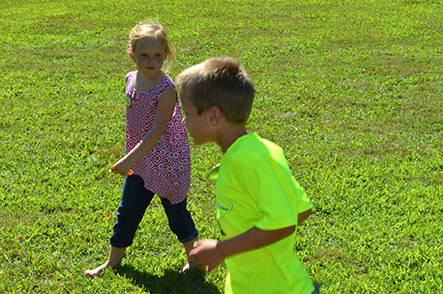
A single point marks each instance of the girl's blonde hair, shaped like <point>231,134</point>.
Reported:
<point>146,29</point>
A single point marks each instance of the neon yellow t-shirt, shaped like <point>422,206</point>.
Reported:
<point>255,187</point>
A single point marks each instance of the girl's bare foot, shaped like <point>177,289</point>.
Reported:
<point>188,247</point>
<point>97,272</point>
<point>115,257</point>
<point>189,265</point>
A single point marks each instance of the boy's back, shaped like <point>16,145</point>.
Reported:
<point>255,188</point>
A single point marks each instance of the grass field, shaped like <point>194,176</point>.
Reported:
<point>352,90</point>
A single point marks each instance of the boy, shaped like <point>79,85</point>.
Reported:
<point>259,203</point>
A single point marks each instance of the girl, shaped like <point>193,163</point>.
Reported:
<point>157,146</point>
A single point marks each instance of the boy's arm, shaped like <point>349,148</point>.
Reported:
<point>303,216</point>
<point>210,253</point>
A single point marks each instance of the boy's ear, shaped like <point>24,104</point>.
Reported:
<point>215,115</point>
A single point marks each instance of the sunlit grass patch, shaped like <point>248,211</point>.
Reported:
<point>351,91</point>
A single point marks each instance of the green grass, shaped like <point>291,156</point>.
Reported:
<point>352,90</point>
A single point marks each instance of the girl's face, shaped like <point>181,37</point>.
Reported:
<point>149,56</point>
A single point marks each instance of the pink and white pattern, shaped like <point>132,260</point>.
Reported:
<point>166,169</point>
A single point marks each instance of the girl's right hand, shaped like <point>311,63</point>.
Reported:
<point>118,168</point>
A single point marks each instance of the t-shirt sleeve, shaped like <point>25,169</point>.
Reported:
<point>303,202</point>
<point>277,209</point>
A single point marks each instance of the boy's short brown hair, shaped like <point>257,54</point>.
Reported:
<point>220,82</point>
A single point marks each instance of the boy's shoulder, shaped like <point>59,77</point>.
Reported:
<point>252,146</point>
<point>253,152</point>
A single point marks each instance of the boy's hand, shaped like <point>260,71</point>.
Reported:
<point>206,254</point>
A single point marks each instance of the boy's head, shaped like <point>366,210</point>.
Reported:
<point>219,82</point>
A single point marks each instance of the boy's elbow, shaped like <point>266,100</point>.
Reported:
<point>303,216</point>
<point>285,232</point>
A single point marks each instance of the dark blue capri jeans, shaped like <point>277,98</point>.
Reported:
<point>135,200</point>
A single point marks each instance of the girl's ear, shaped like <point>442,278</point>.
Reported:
<point>131,54</point>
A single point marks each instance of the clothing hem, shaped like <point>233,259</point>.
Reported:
<point>190,238</point>
<point>119,245</point>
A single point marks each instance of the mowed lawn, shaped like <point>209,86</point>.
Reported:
<point>352,90</point>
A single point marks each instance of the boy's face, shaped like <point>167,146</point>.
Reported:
<point>197,125</point>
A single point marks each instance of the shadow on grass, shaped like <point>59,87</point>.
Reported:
<point>172,282</point>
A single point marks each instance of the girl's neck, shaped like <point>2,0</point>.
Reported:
<point>145,83</point>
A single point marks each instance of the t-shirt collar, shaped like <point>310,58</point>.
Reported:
<point>213,174</point>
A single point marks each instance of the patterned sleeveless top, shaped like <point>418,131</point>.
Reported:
<point>166,169</point>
